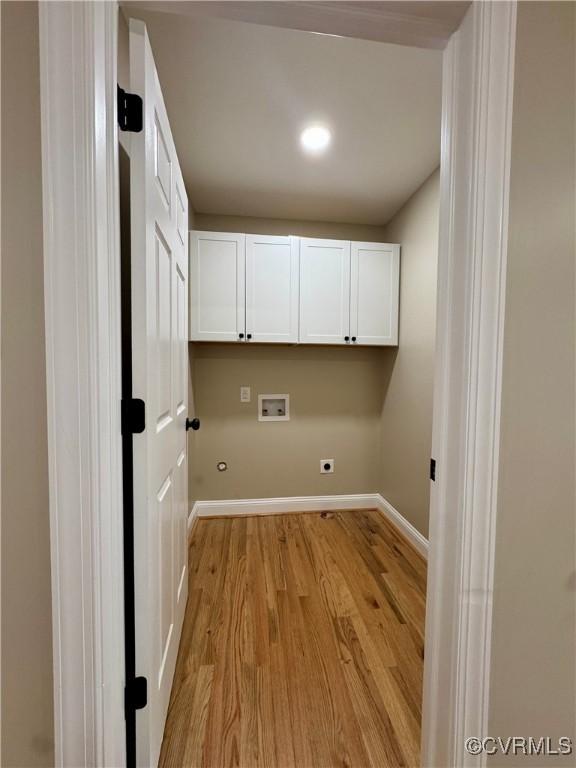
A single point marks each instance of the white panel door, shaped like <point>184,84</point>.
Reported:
<point>324,291</point>
<point>375,285</point>
<point>272,288</point>
<point>159,225</point>
<point>217,286</point>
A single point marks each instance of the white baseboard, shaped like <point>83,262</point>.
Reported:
<point>237,507</point>
<point>279,506</point>
<point>419,542</point>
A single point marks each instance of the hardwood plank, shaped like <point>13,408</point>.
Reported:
<point>266,745</point>
<point>257,607</point>
<point>380,738</point>
<point>302,645</point>
<point>223,734</point>
<point>198,718</point>
<point>296,682</point>
<point>346,738</point>
<point>282,727</point>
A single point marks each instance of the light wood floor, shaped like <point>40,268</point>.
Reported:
<point>302,645</point>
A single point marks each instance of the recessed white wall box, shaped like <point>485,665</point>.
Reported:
<point>245,394</point>
<point>273,407</point>
<point>326,466</point>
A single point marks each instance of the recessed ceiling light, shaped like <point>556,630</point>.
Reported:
<point>315,139</point>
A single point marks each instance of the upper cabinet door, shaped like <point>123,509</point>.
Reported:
<point>217,286</point>
<point>271,288</point>
<point>375,284</point>
<point>324,291</point>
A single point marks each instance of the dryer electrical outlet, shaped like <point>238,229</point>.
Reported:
<point>326,466</point>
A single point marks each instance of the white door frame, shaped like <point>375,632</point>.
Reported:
<point>478,79</point>
<point>82,291</point>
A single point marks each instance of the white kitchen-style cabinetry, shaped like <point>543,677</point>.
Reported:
<point>272,288</point>
<point>282,289</point>
<point>243,288</point>
<point>324,291</point>
<point>374,289</point>
<point>217,286</point>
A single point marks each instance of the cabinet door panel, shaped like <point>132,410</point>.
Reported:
<point>272,288</point>
<point>375,282</point>
<point>217,286</point>
<point>324,291</point>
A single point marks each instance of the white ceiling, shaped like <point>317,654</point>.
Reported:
<point>238,94</point>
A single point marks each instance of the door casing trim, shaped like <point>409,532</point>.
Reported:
<point>478,85</point>
<point>82,298</point>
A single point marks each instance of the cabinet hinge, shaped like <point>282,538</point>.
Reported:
<point>433,469</point>
<point>136,694</point>
<point>133,416</point>
<point>130,112</point>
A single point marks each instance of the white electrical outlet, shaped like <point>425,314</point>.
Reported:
<point>245,394</point>
<point>326,466</point>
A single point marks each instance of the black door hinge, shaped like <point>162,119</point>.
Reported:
<point>133,416</point>
<point>130,113</point>
<point>433,469</point>
<point>136,694</point>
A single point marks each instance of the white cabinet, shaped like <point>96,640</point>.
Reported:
<point>324,291</point>
<point>243,287</point>
<point>272,288</point>
<point>349,292</point>
<point>217,286</point>
<point>374,288</point>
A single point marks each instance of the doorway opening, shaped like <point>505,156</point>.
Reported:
<point>313,205</point>
<point>478,69</point>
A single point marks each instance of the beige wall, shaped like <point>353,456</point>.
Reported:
<point>335,401</point>
<point>253,226</point>
<point>534,631</point>
<point>27,717</point>
<point>406,419</point>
